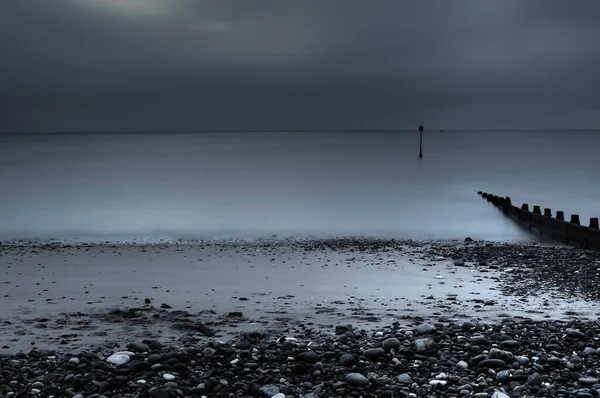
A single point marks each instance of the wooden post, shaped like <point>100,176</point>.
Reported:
<point>421,128</point>
<point>548,212</point>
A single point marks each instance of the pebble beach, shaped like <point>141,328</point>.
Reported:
<point>315,318</point>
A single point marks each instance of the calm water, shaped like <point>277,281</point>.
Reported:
<point>135,186</point>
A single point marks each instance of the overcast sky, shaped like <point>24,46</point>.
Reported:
<point>89,65</point>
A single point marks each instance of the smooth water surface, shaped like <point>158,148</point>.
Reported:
<point>215,185</point>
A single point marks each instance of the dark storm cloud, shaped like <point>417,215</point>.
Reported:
<point>184,64</point>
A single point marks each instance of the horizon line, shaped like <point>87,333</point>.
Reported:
<point>192,131</point>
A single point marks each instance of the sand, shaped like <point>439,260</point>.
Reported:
<point>61,297</point>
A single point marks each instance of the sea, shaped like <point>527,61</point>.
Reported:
<point>187,186</point>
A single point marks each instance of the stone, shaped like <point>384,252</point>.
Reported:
<point>404,378</point>
<point>492,363</point>
<point>356,380</point>
<point>499,394</point>
<point>426,328</point>
<point>160,393</point>
<point>347,360</point>
<point>138,347</point>
<point>390,344</point>
<point>462,365</point>
<point>535,379</point>
<point>268,391</point>
<point>425,345</point>
<point>374,353</point>
<point>309,356</point>
<point>118,358</point>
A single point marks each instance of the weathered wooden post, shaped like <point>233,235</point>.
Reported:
<point>575,219</point>
<point>560,215</point>
<point>547,212</point>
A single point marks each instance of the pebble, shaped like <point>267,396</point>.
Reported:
<point>426,328</point>
<point>390,344</point>
<point>119,358</point>
<point>357,380</point>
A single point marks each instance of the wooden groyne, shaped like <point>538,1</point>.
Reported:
<point>570,232</point>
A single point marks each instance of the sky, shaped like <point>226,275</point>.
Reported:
<point>106,65</point>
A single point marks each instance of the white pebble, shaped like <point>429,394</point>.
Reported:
<point>35,391</point>
<point>118,359</point>
<point>74,361</point>
<point>436,382</point>
<point>439,277</point>
<point>278,395</point>
<point>379,334</point>
<point>168,377</point>
<point>234,361</point>
<point>141,381</point>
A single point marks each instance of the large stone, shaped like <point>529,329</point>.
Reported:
<point>374,353</point>
<point>119,358</point>
<point>404,378</point>
<point>357,380</point>
<point>425,345</point>
<point>426,328</point>
<point>390,344</point>
<point>347,360</point>
<point>138,347</point>
<point>268,391</point>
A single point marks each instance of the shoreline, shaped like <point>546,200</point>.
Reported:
<point>77,299</point>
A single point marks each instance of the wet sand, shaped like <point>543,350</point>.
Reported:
<point>66,297</point>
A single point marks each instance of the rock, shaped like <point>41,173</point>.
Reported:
<point>235,314</point>
<point>535,379</point>
<point>160,393</point>
<point>138,347</point>
<point>425,345</point>
<point>404,378</point>
<point>341,329</point>
<point>499,394</point>
<point>462,365</point>
<point>119,358</point>
<point>347,360</point>
<point>503,375</point>
<point>492,363</point>
<point>268,391</point>
<point>154,358</point>
<point>357,380</point>
<point>587,380</point>
<point>459,263</point>
<point>426,328</point>
<point>373,353</point>
<point>390,344</point>
<point>309,356</point>
<point>168,377</point>
<point>468,239</point>
<point>524,361</point>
